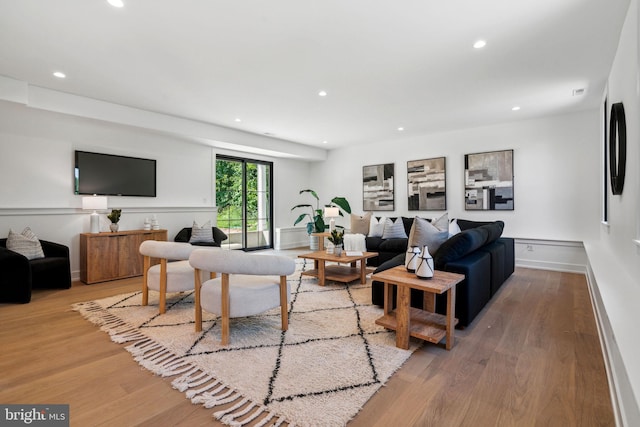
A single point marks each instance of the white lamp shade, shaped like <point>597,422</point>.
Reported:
<point>94,203</point>
<point>331,212</point>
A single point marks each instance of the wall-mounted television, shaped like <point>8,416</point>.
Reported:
<point>110,175</point>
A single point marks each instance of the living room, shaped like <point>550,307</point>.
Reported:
<point>558,183</point>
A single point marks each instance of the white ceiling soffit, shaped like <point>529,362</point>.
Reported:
<point>258,67</point>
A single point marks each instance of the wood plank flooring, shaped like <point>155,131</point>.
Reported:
<point>531,358</point>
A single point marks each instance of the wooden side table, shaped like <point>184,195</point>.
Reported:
<point>412,322</point>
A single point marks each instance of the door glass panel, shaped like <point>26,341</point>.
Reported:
<point>243,199</point>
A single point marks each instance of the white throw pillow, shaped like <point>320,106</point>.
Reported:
<point>394,229</point>
<point>376,226</point>
<point>25,243</point>
<point>201,234</point>
<point>454,228</point>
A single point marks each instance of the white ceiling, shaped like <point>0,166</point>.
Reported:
<point>384,64</point>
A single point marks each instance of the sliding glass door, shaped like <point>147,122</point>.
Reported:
<point>243,198</point>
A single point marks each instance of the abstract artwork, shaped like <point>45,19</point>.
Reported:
<point>488,181</point>
<point>377,181</point>
<point>426,185</point>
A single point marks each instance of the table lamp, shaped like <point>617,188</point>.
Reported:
<point>94,203</point>
<point>331,212</point>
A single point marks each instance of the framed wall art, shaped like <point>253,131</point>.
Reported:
<point>377,183</point>
<point>426,185</point>
<point>488,181</point>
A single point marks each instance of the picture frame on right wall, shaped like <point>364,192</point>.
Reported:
<point>488,181</point>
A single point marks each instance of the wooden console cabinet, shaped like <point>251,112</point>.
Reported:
<point>111,256</point>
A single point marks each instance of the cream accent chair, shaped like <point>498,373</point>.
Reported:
<point>248,285</point>
<point>173,274</point>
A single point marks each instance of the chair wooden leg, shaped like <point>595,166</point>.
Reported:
<point>163,286</point>
<point>225,308</point>
<point>284,309</point>
<point>145,287</point>
<point>197,286</point>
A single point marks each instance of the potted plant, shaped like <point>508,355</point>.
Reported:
<point>315,215</point>
<point>337,238</point>
<point>114,217</point>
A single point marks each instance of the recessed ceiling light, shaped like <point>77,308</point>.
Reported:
<point>516,108</point>
<point>479,44</point>
<point>116,3</point>
<point>60,74</point>
<point>324,142</point>
<point>237,120</point>
<point>400,129</point>
<point>322,93</point>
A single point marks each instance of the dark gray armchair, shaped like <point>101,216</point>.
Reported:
<point>19,275</point>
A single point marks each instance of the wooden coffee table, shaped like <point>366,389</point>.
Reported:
<point>338,273</point>
<point>412,322</point>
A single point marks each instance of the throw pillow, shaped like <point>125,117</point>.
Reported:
<point>25,243</point>
<point>424,233</point>
<point>454,228</point>
<point>360,223</point>
<point>442,222</point>
<point>201,234</point>
<point>394,229</point>
<point>376,226</point>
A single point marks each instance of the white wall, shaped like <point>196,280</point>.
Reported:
<point>555,173</point>
<point>614,257</point>
<point>36,171</point>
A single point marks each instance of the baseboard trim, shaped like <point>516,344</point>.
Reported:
<point>553,266</point>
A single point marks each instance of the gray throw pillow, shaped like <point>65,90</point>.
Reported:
<point>424,233</point>
<point>201,234</point>
<point>394,229</point>
<point>25,243</point>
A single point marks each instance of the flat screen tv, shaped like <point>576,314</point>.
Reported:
<point>109,175</point>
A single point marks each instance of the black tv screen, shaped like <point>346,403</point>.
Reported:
<point>109,175</point>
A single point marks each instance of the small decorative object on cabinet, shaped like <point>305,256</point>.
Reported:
<point>115,255</point>
<point>114,217</point>
<point>411,259</point>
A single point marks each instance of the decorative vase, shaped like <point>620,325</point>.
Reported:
<point>313,243</point>
<point>425,266</point>
<point>337,250</point>
<point>411,259</point>
<point>113,227</point>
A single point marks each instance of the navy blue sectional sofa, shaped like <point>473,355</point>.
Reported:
<point>480,253</point>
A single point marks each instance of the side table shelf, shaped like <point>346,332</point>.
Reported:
<point>110,256</point>
<point>424,325</point>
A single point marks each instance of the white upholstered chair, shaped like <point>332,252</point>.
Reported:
<point>172,274</point>
<point>247,284</point>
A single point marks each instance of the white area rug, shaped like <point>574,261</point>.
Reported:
<point>320,372</point>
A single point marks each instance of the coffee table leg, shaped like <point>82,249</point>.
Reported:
<point>451,304</point>
<point>388,298</point>
<point>321,272</point>
<point>402,318</point>
<point>363,272</point>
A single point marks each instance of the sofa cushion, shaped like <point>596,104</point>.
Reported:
<point>373,243</point>
<point>424,233</point>
<point>394,229</point>
<point>460,245</point>
<point>393,245</point>
<point>465,224</point>
<point>360,223</point>
<point>494,230</point>
<point>408,223</point>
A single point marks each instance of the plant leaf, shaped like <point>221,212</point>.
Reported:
<point>300,218</point>
<point>342,203</point>
<point>313,193</point>
<point>302,206</point>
